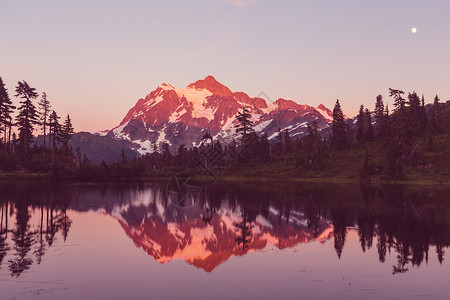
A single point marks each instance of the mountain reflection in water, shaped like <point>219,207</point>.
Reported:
<point>206,224</point>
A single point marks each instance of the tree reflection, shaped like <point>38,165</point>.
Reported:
<point>28,238</point>
<point>4,246</point>
<point>23,239</point>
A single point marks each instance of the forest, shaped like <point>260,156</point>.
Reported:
<point>409,142</point>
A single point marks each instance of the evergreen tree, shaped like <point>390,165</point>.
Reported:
<point>54,132</point>
<point>414,111</point>
<point>435,115</point>
<point>402,128</point>
<point>264,148</point>
<point>287,142</point>
<point>67,132</point>
<point>379,115</point>
<point>245,124</point>
<point>123,157</point>
<point>312,141</point>
<point>360,124</point>
<point>339,138</point>
<point>279,143</point>
<point>166,155</point>
<point>423,114</point>
<point>6,109</point>
<point>44,107</point>
<point>28,116</point>
<point>182,155</point>
<point>368,128</point>
<point>155,147</point>
<point>399,101</point>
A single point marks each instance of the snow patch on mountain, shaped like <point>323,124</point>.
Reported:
<point>145,147</point>
<point>176,115</point>
<point>324,113</point>
<point>262,125</point>
<point>118,132</point>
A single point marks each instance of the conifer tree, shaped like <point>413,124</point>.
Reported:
<point>6,109</point>
<point>264,147</point>
<point>245,124</point>
<point>435,115</point>
<point>67,132</point>
<point>399,101</point>
<point>360,124</point>
<point>423,114</point>
<point>368,128</point>
<point>414,111</point>
<point>28,116</point>
<point>123,157</point>
<point>312,140</point>
<point>54,132</point>
<point>287,142</point>
<point>339,138</point>
<point>155,147</point>
<point>379,115</point>
<point>44,107</point>
<point>402,128</point>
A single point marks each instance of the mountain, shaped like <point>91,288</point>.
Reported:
<point>182,116</point>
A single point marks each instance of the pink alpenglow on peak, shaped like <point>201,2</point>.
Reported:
<point>183,115</point>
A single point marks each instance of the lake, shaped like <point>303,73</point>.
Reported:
<point>183,239</point>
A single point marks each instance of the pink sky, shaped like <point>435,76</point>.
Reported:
<point>95,59</point>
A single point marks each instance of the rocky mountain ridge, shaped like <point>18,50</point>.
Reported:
<point>182,116</point>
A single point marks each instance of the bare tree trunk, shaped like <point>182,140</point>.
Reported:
<point>53,148</point>
<point>4,137</point>
<point>9,137</point>
<point>25,140</point>
<point>43,145</point>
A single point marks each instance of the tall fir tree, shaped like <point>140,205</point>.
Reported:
<point>368,128</point>
<point>399,101</point>
<point>6,110</point>
<point>44,107</point>
<point>414,110</point>
<point>245,123</point>
<point>28,115</point>
<point>402,129</point>
<point>312,141</point>
<point>379,116</point>
<point>435,115</point>
<point>360,124</point>
<point>339,138</point>
<point>288,147</point>
<point>54,132</point>
<point>67,132</point>
<point>423,114</point>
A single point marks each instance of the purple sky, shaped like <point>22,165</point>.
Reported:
<point>95,59</point>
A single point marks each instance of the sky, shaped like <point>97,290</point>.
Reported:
<point>96,58</point>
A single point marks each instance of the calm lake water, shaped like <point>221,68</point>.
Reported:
<point>188,240</point>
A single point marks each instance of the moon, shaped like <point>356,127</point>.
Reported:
<point>414,30</point>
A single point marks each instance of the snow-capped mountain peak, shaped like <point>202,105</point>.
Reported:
<point>183,115</point>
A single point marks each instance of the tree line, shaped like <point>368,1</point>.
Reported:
<point>21,151</point>
<point>381,143</point>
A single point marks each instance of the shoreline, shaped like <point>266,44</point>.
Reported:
<point>7,176</point>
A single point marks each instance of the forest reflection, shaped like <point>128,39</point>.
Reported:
<point>206,224</point>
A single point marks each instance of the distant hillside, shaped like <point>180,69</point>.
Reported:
<point>98,147</point>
